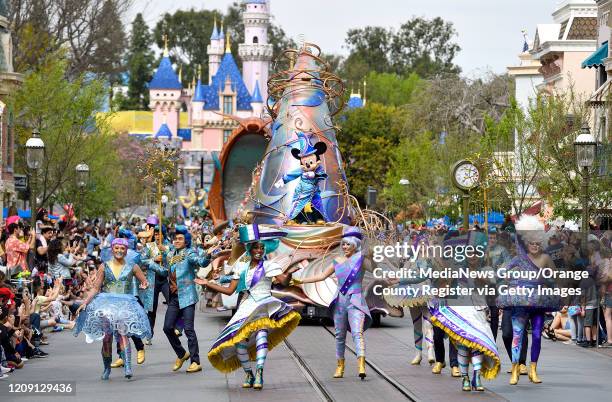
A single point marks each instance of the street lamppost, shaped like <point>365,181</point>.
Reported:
<point>35,154</point>
<point>404,182</point>
<point>585,146</point>
<point>82,178</point>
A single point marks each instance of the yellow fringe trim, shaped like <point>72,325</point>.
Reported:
<point>282,328</point>
<point>416,302</point>
<point>488,373</point>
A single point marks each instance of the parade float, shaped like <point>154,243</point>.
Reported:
<point>299,183</point>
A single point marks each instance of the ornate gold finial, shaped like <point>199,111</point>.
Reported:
<point>165,38</point>
<point>200,71</point>
<point>365,84</point>
<point>228,48</point>
<point>180,73</point>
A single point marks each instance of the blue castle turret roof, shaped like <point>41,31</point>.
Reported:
<point>256,98</point>
<point>164,131</point>
<point>215,32</point>
<point>165,77</point>
<point>199,94</point>
<point>355,102</point>
<point>227,69</point>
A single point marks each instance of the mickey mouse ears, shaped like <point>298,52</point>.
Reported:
<point>306,147</point>
<point>305,144</point>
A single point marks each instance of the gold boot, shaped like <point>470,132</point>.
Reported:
<point>140,356</point>
<point>417,360</point>
<point>179,362</point>
<point>533,374</point>
<point>361,363</point>
<point>455,372</point>
<point>117,363</point>
<point>339,369</point>
<point>194,367</point>
<point>437,367</point>
<point>514,377</point>
<point>523,370</point>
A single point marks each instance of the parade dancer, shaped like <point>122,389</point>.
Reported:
<point>465,322</point>
<point>409,293</point>
<point>349,306</point>
<point>261,321</point>
<point>152,239</point>
<point>133,257</point>
<point>182,264</point>
<point>526,308</point>
<point>111,309</point>
<point>498,256</point>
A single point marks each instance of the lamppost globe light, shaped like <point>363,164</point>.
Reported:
<point>35,151</point>
<point>586,147</point>
<point>82,175</point>
<point>164,199</point>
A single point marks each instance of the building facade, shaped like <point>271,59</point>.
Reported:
<point>9,81</point>
<point>561,46</point>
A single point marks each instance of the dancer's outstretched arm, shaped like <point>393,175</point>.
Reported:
<point>229,290</point>
<point>317,278</point>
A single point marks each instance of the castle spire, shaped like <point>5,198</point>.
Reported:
<point>165,38</point>
<point>228,48</point>
<point>215,32</point>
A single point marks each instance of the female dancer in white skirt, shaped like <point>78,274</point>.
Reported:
<point>261,321</point>
<point>111,309</point>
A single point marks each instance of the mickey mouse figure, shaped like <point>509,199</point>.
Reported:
<point>307,206</point>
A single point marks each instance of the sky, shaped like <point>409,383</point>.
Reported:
<point>488,31</point>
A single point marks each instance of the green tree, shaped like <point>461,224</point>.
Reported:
<point>554,121</point>
<point>507,159</point>
<point>425,47</point>
<point>407,161</point>
<point>139,62</point>
<point>366,139</point>
<point>64,110</point>
<point>392,89</point>
<point>420,46</point>
<point>90,31</point>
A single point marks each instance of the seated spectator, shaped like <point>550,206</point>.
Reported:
<point>560,326</point>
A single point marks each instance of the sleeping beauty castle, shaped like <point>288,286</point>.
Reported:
<point>197,118</point>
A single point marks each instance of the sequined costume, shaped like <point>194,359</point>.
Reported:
<point>524,307</point>
<point>259,313</point>
<point>114,311</point>
<point>350,310</point>
<point>464,320</point>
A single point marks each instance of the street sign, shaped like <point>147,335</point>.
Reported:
<point>21,181</point>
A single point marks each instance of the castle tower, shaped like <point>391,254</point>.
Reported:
<point>257,101</point>
<point>256,52</point>
<point>215,51</point>
<point>165,92</point>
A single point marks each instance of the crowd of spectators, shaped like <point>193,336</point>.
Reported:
<point>45,273</point>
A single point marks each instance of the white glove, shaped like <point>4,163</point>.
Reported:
<point>309,175</point>
<point>280,183</point>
